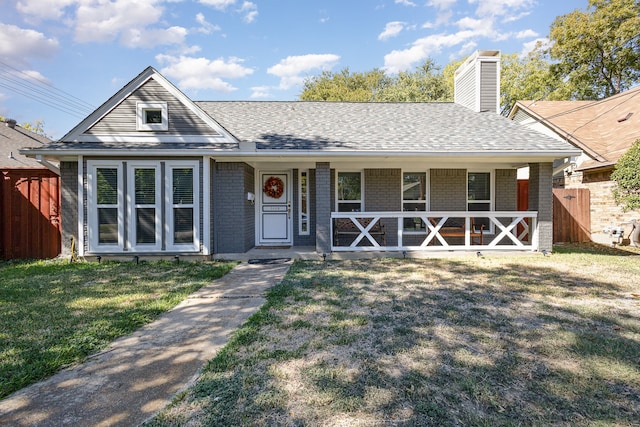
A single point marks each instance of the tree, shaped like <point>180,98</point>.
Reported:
<point>530,78</point>
<point>598,50</point>
<point>35,127</point>
<point>345,86</point>
<point>448,73</point>
<point>627,178</point>
<point>424,84</point>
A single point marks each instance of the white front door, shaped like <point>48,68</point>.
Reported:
<point>274,205</point>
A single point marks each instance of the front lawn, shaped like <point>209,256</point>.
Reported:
<point>53,313</point>
<point>498,340</point>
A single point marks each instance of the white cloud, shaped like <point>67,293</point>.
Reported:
<point>19,44</point>
<point>250,10</point>
<point>247,8</point>
<point>513,18</point>
<point>150,37</point>
<point>189,50</point>
<point>442,4</point>
<point>525,34</point>
<point>218,4</point>
<point>421,49</point>
<point>476,25</point>
<point>106,21</point>
<point>473,28</point>
<point>260,92</point>
<point>392,29</point>
<point>205,27</point>
<point>445,10</point>
<point>127,21</point>
<point>501,7</point>
<point>291,70</point>
<point>466,50</point>
<point>202,73</point>
<point>405,2</point>
<point>44,9</point>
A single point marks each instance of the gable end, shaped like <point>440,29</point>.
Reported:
<point>180,119</point>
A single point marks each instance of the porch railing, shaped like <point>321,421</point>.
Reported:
<point>431,231</point>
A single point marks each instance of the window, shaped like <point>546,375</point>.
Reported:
<point>414,192</point>
<point>144,219</point>
<point>303,203</point>
<point>107,205</point>
<point>161,212</point>
<point>152,116</point>
<point>349,194</point>
<point>479,194</point>
<point>182,206</point>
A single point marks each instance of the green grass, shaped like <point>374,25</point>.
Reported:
<point>500,340</point>
<point>53,313</point>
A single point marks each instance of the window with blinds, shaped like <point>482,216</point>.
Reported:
<point>145,206</point>
<point>107,205</point>
<point>161,212</point>
<point>183,206</point>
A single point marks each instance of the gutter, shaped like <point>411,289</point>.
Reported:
<point>293,153</point>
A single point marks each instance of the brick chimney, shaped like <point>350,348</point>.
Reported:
<point>477,82</point>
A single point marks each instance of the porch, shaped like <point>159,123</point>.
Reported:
<point>434,231</point>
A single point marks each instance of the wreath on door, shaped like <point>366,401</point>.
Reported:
<point>274,187</point>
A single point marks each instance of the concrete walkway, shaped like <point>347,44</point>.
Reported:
<point>139,374</point>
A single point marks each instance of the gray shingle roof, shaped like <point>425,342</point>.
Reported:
<point>419,127</point>
<point>12,140</point>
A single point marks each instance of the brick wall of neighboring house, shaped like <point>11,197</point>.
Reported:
<point>234,216</point>
<point>69,206</point>
<point>605,212</point>
<point>382,193</point>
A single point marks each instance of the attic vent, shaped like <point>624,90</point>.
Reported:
<point>625,117</point>
<point>11,123</point>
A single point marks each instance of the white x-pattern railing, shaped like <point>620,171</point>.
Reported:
<point>504,233</point>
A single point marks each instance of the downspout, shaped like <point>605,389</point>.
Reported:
<point>44,162</point>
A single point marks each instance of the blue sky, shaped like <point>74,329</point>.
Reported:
<point>78,53</point>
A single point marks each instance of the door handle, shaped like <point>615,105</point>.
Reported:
<point>288,210</point>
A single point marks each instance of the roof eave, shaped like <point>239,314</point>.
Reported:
<point>561,132</point>
<point>266,153</point>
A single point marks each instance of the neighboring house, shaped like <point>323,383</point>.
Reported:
<point>153,172</point>
<point>604,130</point>
<point>30,197</point>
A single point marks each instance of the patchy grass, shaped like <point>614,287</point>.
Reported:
<point>53,313</point>
<point>499,340</point>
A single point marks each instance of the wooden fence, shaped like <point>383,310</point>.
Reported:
<point>571,215</point>
<point>30,214</point>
